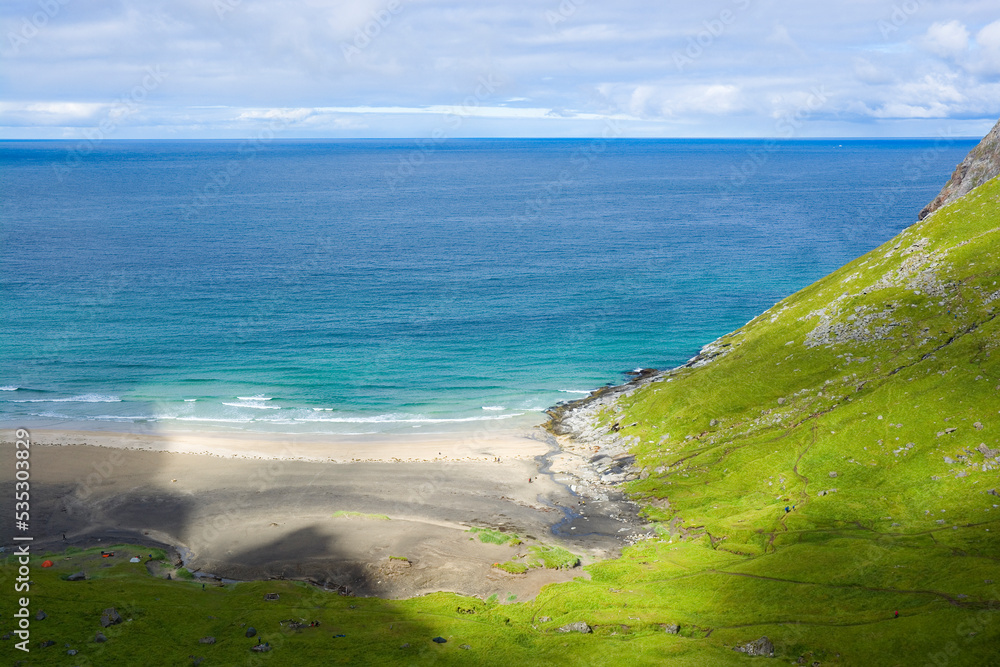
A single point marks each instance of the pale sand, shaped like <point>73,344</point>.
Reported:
<point>481,446</point>
<point>255,508</point>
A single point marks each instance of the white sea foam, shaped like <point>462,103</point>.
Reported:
<point>84,398</point>
<point>574,391</point>
<point>251,404</point>
<point>494,407</point>
<point>9,387</point>
<point>258,397</point>
<point>190,400</point>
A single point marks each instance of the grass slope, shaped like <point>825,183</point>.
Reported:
<point>885,373</point>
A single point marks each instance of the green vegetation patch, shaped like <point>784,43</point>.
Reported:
<point>491,536</point>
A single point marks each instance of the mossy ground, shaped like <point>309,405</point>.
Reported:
<point>863,374</point>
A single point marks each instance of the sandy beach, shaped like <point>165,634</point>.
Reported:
<point>255,507</point>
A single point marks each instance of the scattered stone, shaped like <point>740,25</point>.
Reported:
<point>251,632</point>
<point>962,473</point>
<point>544,619</point>
<point>833,474</point>
<point>271,596</point>
<point>110,617</point>
<point>714,422</point>
<point>579,626</point>
<point>993,492</point>
<point>781,401</point>
<point>762,646</point>
<point>465,647</point>
<point>78,576</point>
<point>405,646</point>
<point>949,460</point>
<point>951,429</point>
<point>5,637</point>
<point>47,644</point>
<point>99,638</point>
<point>978,426</point>
<point>196,660</point>
<point>41,616</point>
<point>439,640</point>
<point>987,452</point>
<point>207,640</point>
<point>72,651</point>
<point>672,629</point>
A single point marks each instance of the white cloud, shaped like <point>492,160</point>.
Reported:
<point>284,60</point>
<point>947,40</point>
<point>988,40</point>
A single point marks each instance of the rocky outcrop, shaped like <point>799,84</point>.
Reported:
<point>980,165</point>
<point>760,647</point>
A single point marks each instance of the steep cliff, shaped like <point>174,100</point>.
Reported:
<point>980,165</point>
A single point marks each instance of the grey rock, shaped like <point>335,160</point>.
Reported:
<point>207,640</point>
<point>110,617</point>
<point>41,616</point>
<point>72,651</point>
<point>781,401</point>
<point>99,638</point>
<point>672,629</point>
<point>47,644</point>
<point>714,422</point>
<point>465,647</point>
<point>987,452</point>
<point>77,576</point>
<point>544,619</point>
<point>762,647</point>
<point>980,165</point>
<point>833,474</point>
<point>579,626</point>
<point>978,426</point>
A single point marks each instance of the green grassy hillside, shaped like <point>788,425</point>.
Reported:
<point>867,404</point>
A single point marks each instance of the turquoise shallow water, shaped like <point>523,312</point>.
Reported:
<point>388,286</point>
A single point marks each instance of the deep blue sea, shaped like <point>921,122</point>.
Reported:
<point>406,286</point>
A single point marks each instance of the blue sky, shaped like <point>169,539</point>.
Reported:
<point>526,68</point>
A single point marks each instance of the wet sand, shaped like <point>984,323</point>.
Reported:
<point>246,508</point>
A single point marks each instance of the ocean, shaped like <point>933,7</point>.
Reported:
<point>407,286</point>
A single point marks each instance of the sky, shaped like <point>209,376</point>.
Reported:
<point>114,69</point>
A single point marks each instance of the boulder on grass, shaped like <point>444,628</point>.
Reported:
<point>761,647</point>
<point>579,626</point>
<point>110,617</point>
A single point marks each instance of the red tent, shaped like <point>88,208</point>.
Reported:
<point>47,563</point>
